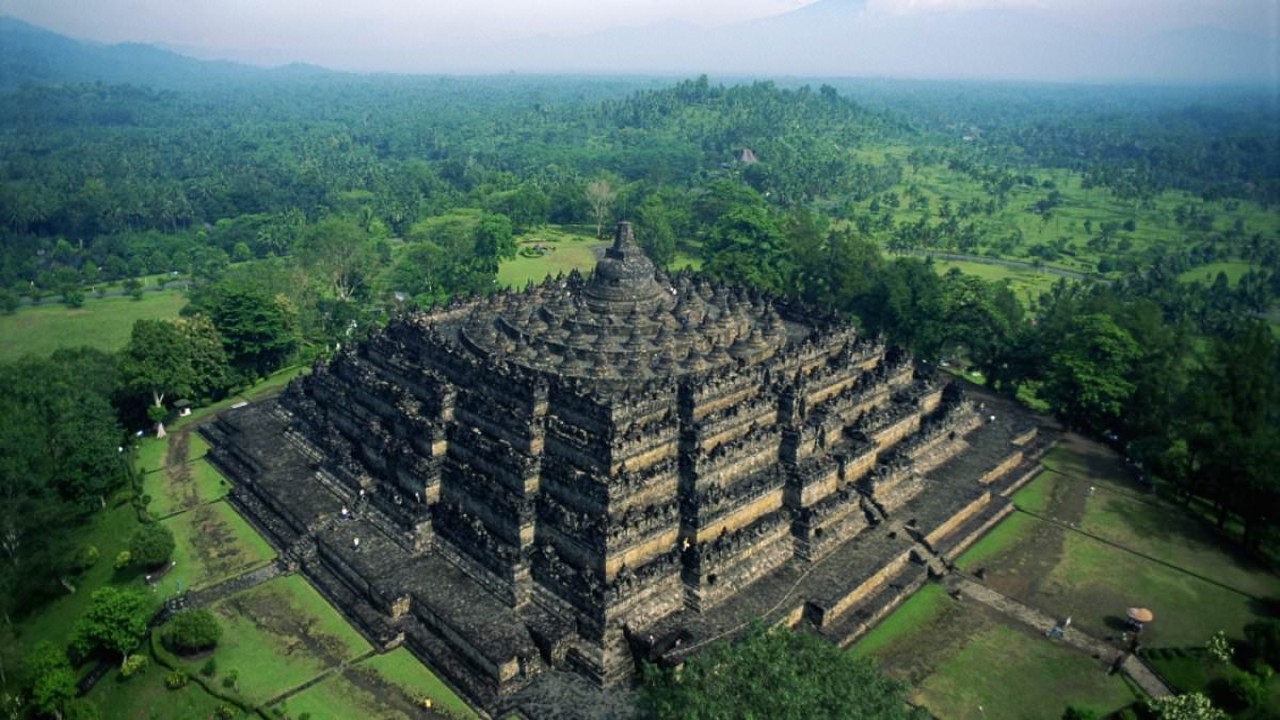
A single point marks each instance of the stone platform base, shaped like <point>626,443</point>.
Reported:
<point>514,661</point>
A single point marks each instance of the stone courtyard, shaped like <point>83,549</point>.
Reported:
<point>537,490</point>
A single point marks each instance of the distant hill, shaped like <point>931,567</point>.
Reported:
<point>844,38</point>
<point>829,38</point>
<point>33,55</point>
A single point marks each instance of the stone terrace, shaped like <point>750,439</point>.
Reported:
<point>564,481</point>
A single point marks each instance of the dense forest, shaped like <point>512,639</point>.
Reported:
<point>302,210</point>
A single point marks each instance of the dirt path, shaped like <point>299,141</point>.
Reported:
<point>177,473</point>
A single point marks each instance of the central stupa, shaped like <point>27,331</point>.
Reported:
<point>626,322</point>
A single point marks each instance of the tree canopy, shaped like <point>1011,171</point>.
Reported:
<point>776,674</point>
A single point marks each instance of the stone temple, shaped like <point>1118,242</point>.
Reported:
<point>538,489</point>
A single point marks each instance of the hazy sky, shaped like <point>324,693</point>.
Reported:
<point>350,33</point>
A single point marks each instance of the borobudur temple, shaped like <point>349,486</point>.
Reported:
<point>597,470</point>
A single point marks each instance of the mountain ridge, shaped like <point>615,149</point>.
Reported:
<point>830,38</point>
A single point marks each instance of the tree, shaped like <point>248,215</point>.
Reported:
<point>1263,638</point>
<point>9,301</point>
<point>746,246</point>
<point>654,231</point>
<point>192,631</point>
<point>259,331</point>
<point>1088,383</point>
<point>151,545</point>
<point>50,679</point>
<point>600,194</point>
<point>115,622</point>
<point>1233,429</point>
<point>155,364</point>
<point>493,240</point>
<point>339,250</point>
<point>205,352</point>
<point>980,320</point>
<point>772,673</point>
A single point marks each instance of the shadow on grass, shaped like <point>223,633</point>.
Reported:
<point>1265,606</point>
<point>1116,623</point>
<point>1149,522</point>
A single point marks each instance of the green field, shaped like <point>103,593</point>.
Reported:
<point>1208,273</point>
<point>383,686</point>
<point>213,543</point>
<point>102,323</point>
<point>1003,673</point>
<point>1087,543</point>
<point>917,611</point>
<point>400,667</point>
<point>109,532</point>
<point>280,635</point>
<point>1072,229</point>
<point>1026,284</point>
<point>144,696</point>
<point>564,251</point>
<point>200,484</point>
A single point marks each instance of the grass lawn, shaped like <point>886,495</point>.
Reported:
<point>337,696</point>
<point>957,656</point>
<point>102,323</point>
<point>1141,524</point>
<point>213,542</point>
<point>1009,533</point>
<point>201,484</point>
<point>401,668</point>
<point>108,531</point>
<point>150,454</point>
<point>1133,548</point>
<point>1036,495</point>
<point>1006,673</point>
<point>1026,284</point>
<point>564,252</point>
<point>384,686</point>
<point>279,635</point>
<point>1096,582</point>
<point>1208,273</point>
<point>197,446</point>
<point>144,697</point>
<point>919,610</point>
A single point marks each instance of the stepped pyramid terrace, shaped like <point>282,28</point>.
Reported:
<point>536,490</point>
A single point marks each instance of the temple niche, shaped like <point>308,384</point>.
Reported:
<point>564,480</point>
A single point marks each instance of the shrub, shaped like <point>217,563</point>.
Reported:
<point>176,680</point>
<point>123,560</point>
<point>229,681</point>
<point>133,665</point>
<point>1263,638</point>
<point>81,709</point>
<point>225,712</point>
<point>151,545</point>
<point>209,668</point>
<point>1076,713</point>
<point>191,631</point>
<point>1243,691</point>
<point>85,558</point>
